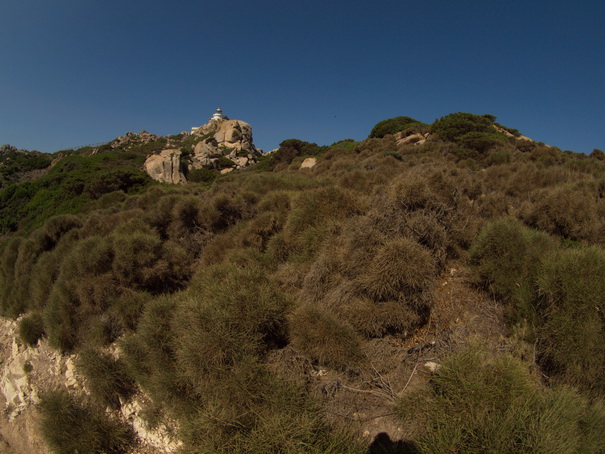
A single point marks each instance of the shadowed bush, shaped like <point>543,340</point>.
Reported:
<point>106,377</point>
<point>31,328</point>
<point>68,425</point>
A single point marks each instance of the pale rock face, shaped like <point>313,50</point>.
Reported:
<point>224,138</point>
<point>416,139</point>
<point>234,134</point>
<point>308,163</point>
<point>165,167</point>
<point>27,372</point>
<point>219,138</point>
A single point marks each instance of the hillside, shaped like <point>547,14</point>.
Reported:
<point>433,288</point>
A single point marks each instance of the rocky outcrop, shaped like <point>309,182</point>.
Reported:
<point>166,167</point>
<point>131,138</point>
<point>509,134</point>
<point>223,141</point>
<point>27,372</point>
<point>308,163</point>
<point>222,145</point>
<point>415,138</point>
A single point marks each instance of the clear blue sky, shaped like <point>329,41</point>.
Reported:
<point>75,72</point>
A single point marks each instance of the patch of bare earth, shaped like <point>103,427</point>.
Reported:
<point>363,398</point>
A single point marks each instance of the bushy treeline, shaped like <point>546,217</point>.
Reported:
<point>200,287</point>
<point>69,186</point>
<point>15,164</point>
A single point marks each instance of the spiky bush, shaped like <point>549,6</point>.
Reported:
<point>480,403</point>
<point>324,338</point>
<point>69,425</point>
<point>106,377</point>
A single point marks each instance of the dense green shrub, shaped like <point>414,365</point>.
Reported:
<point>325,339</point>
<point>556,289</point>
<point>69,425</point>
<point>507,257</point>
<point>469,130</point>
<point>401,269</point>
<point>201,176</point>
<point>571,292</point>
<point>107,377</point>
<point>476,404</point>
<point>393,126</point>
<point>287,151</point>
<point>453,126</point>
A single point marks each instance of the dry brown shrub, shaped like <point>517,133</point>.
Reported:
<point>566,212</point>
<point>361,180</point>
<point>424,227</point>
<point>323,338</point>
<point>378,318</point>
<point>493,205</point>
<point>323,276</point>
<point>401,269</point>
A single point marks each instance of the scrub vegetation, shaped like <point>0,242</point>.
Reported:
<point>245,306</point>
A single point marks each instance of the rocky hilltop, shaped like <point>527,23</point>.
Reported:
<point>222,145</point>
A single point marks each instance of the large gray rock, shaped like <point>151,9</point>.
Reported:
<point>166,167</point>
<point>224,138</point>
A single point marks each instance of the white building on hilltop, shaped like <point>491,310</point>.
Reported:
<point>218,115</point>
<point>215,118</point>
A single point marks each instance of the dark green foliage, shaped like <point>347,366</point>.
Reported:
<point>557,290</point>
<point>14,164</point>
<point>453,126</point>
<point>287,151</point>
<point>507,257</point>
<point>397,156</point>
<point>201,176</point>
<point>480,141</point>
<point>474,404</point>
<point>69,425</point>
<point>69,186</point>
<point>106,377</point>
<point>31,329</point>
<point>394,125</point>
<point>224,163</point>
<point>469,130</point>
<point>571,292</point>
<point>598,154</point>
